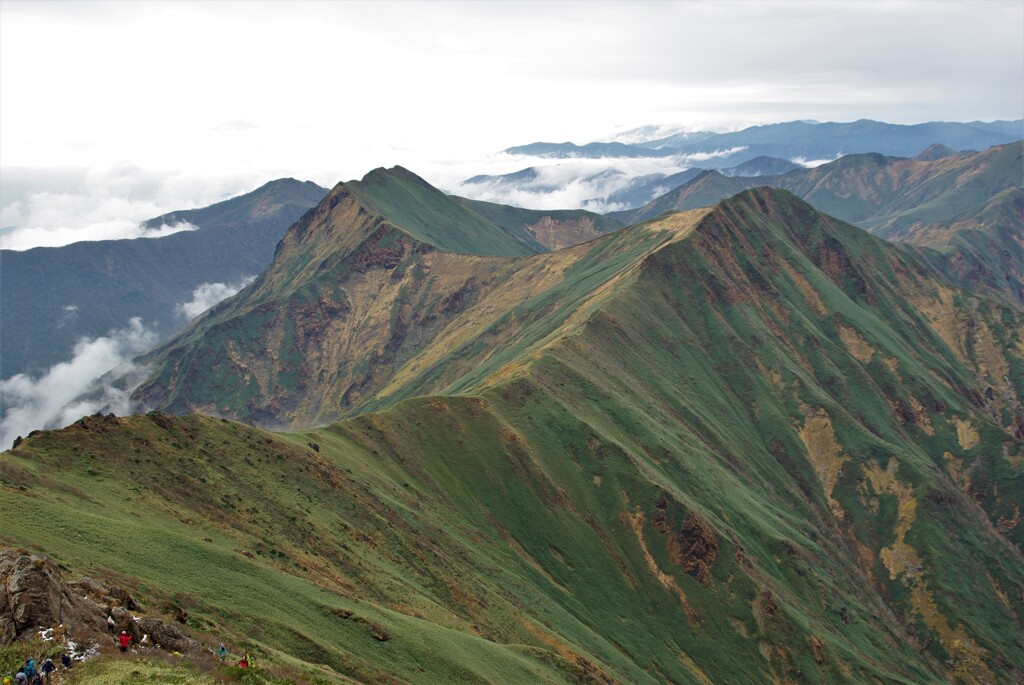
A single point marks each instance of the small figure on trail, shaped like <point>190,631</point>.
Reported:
<point>30,670</point>
<point>48,668</point>
<point>20,678</point>
<point>8,679</point>
<point>124,639</point>
<point>65,660</point>
<point>249,660</point>
<point>222,652</point>
<point>244,663</point>
<point>110,623</point>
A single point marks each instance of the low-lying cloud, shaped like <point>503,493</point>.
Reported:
<point>206,295</point>
<point>579,183</point>
<point>40,208</point>
<point>72,389</point>
<point>811,163</point>
<point>714,154</point>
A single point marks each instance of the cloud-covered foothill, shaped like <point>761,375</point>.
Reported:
<point>75,388</point>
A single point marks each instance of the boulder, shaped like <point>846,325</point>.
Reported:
<point>89,586</point>
<point>121,596</point>
<point>124,621</point>
<point>167,635</point>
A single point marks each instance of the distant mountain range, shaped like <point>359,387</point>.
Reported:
<point>55,295</point>
<point>919,202</point>
<point>611,187</point>
<point>618,175</point>
<point>795,140</point>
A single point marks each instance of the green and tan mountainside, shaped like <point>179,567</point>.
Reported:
<point>968,206</point>
<point>742,444</point>
<point>360,286</point>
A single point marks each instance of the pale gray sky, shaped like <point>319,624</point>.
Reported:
<point>213,98</point>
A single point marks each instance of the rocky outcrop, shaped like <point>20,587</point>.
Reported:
<point>695,548</point>
<point>33,596</point>
<point>167,635</point>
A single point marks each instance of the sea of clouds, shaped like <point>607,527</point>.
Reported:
<point>576,183</point>
<point>50,208</point>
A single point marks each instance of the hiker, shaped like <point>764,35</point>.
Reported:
<point>244,663</point>
<point>125,639</point>
<point>65,660</point>
<point>222,652</point>
<point>249,660</point>
<point>110,623</point>
<point>8,679</point>
<point>48,667</point>
<point>20,678</point>
<point>30,670</point>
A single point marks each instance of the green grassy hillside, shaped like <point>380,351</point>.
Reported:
<point>748,444</point>
<point>456,224</point>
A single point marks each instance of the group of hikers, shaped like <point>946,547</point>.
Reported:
<point>124,641</point>
<point>32,674</point>
<point>245,662</point>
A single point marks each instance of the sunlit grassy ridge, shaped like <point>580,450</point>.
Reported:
<point>744,445</point>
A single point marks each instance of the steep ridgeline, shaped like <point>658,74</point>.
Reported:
<point>356,288</point>
<point>52,296</point>
<point>743,444</point>
<point>969,207</point>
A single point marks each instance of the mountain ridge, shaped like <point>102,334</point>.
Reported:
<point>957,204</point>
<point>746,443</point>
<point>790,140</point>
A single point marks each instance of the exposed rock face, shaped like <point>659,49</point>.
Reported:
<point>34,596</point>
<point>697,547</point>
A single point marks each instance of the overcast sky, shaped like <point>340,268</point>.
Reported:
<point>128,109</point>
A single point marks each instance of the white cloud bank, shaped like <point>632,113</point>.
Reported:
<point>50,208</point>
<point>75,388</point>
<point>206,295</point>
<point>574,183</point>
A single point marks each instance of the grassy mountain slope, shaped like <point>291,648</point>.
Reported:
<point>357,288</point>
<point>456,224</point>
<point>707,188</point>
<point>552,229</point>
<point>430,216</point>
<point>907,200</point>
<point>747,444</point>
<point>54,296</point>
<point>966,206</point>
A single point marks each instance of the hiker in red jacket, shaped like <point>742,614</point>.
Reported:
<point>125,639</point>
